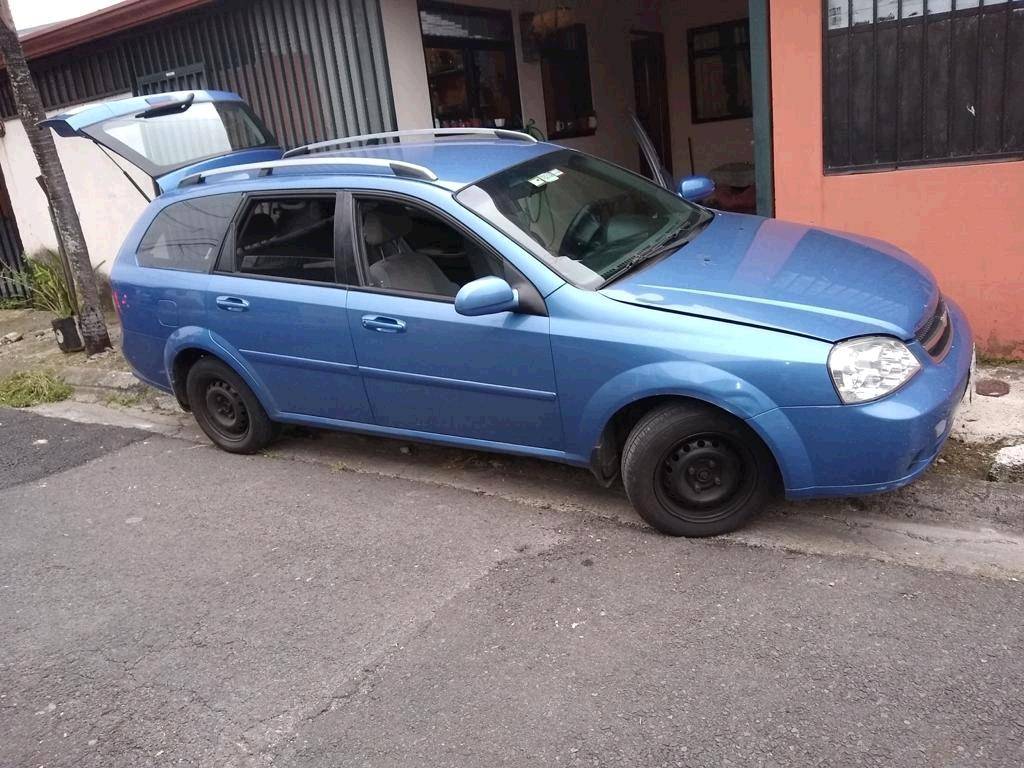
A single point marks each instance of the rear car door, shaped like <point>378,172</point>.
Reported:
<point>428,368</point>
<point>278,297</point>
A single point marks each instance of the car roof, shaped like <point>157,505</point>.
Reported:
<point>456,162</point>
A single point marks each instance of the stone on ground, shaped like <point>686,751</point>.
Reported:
<point>1008,465</point>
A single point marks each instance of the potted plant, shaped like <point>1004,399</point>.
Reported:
<point>45,284</point>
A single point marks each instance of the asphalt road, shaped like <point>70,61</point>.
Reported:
<point>162,603</point>
<point>32,447</point>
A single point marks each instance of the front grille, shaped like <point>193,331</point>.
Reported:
<point>936,333</point>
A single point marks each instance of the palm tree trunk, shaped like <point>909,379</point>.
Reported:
<point>69,228</point>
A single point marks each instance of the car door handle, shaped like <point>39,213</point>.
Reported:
<point>383,324</point>
<point>232,303</point>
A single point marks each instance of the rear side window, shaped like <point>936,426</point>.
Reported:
<point>287,237</point>
<point>186,236</point>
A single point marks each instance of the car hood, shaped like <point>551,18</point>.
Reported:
<point>794,278</point>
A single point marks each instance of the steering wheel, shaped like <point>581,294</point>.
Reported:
<point>587,230</point>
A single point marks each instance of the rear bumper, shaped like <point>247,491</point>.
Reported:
<point>848,450</point>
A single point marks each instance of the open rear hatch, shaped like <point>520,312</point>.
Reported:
<point>172,135</point>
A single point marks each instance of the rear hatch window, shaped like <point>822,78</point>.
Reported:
<point>164,142</point>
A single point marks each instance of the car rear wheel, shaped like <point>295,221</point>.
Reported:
<point>690,470</point>
<point>226,409</point>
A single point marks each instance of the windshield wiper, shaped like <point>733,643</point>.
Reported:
<point>645,255</point>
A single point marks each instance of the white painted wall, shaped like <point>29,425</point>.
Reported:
<point>716,143</point>
<point>608,25</point>
<point>107,203</point>
<point>408,67</point>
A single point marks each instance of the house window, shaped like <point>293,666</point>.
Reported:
<point>918,82</point>
<point>565,69</point>
<point>471,67</point>
<point>720,72</point>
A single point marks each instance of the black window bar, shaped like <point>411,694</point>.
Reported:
<point>920,82</point>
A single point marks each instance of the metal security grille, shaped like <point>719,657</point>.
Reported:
<point>312,69</point>
<point>10,253</point>
<point>192,78</point>
<point>914,82</point>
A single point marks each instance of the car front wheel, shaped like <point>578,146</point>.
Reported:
<point>226,409</point>
<point>690,470</point>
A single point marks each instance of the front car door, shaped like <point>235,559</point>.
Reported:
<point>278,297</point>
<point>426,367</point>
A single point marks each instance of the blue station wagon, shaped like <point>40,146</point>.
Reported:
<point>478,288</point>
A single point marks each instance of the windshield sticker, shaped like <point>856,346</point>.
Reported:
<point>546,178</point>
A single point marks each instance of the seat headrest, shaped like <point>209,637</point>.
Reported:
<point>380,228</point>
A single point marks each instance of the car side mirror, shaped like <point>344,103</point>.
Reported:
<point>696,188</point>
<point>486,296</point>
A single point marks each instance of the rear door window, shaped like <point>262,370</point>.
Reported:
<point>186,236</point>
<point>289,237</point>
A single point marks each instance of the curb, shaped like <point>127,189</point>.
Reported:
<point>104,381</point>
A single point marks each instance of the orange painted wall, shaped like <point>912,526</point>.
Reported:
<point>965,222</point>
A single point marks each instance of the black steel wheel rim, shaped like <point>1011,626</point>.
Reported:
<point>226,411</point>
<point>705,477</point>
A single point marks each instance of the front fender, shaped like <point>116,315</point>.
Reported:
<point>681,378</point>
<point>701,382</point>
<point>193,337</point>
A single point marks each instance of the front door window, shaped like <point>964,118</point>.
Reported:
<point>471,67</point>
<point>408,249</point>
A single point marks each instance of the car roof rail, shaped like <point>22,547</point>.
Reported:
<point>499,133</point>
<point>397,167</point>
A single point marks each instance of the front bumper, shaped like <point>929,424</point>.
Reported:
<point>848,450</point>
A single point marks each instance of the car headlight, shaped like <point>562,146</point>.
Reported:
<point>870,367</point>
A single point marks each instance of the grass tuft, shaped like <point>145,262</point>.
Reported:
<point>1000,360</point>
<point>21,390</point>
<point>125,399</point>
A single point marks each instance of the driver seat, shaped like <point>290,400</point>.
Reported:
<point>394,264</point>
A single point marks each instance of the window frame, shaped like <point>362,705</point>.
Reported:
<point>733,48</point>
<point>553,54</point>
<point>531,302</point>
<point>219,248</point>
<point>227,261</point>
<point>508,47</point>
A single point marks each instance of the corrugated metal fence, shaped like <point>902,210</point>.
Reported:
<point>312,69</point>
<point>10,258</point>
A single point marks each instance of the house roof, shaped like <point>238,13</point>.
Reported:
<point>52,38</point>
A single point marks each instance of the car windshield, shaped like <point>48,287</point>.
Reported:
<point>584,217</point>
<point>167,142</point>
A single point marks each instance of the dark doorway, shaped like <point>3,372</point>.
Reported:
<point>651,85</point>
<point>471,66</point>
